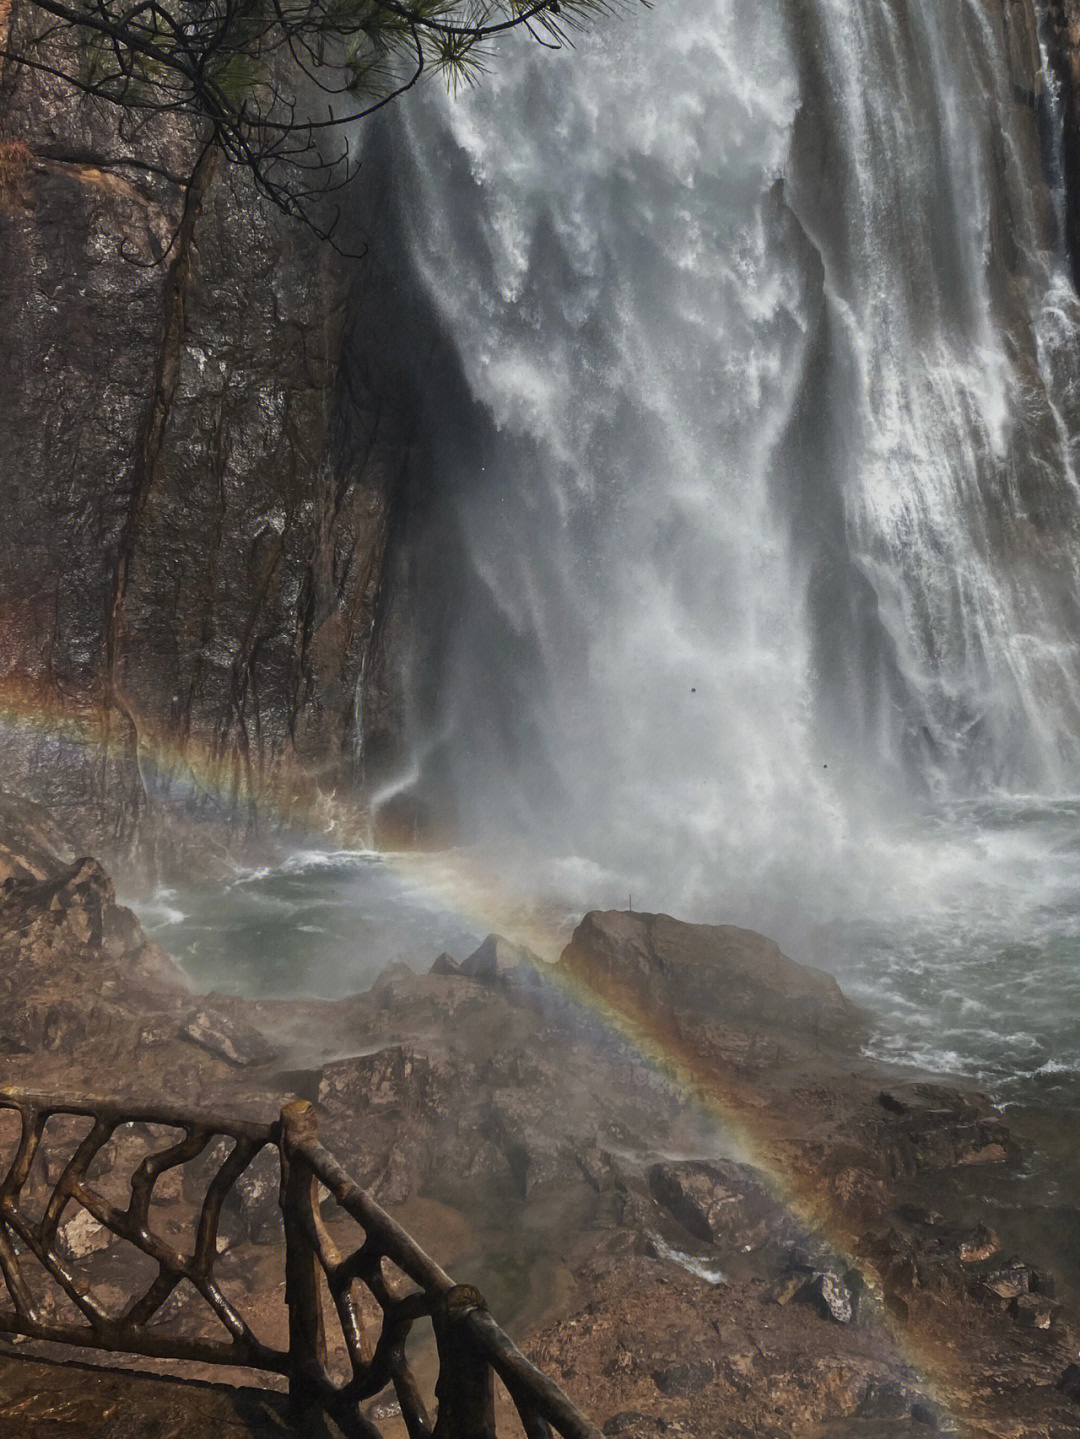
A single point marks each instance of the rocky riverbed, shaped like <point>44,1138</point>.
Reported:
<point>663,1159</point>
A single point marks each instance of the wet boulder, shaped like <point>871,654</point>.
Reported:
<point>500,961</point>
<point>232,1040</point>
<point>1005,1285</point>
<point>1033,1311</point>
<point>834,1296</point>
<point>698,973</point>
<point>395,1080</point>
<point>938,1126</point>
<point>718,1202</point>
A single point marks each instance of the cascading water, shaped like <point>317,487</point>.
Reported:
<point>764,526</point>
<point>746,580</point>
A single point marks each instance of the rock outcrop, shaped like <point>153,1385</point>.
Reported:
<point>1062,30</point>
<point>199,472</point>
<point>717,984</point>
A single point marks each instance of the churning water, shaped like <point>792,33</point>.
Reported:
<point>768,526</point>
<point>749,582</point>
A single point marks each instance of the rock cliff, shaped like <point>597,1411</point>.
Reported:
<point>199,471</point>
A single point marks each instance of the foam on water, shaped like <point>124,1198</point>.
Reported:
<point>321,922</point>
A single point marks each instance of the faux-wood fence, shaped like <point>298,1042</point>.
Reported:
<point>471,1348</point>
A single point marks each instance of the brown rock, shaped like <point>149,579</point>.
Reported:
<point>982,1243</point>
<point>702,972</point>
<point>199,574</point>
<point>1033,1311</point>
<point>939,1125</point>
<point>720,1201</point>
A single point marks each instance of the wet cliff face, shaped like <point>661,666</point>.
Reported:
<point>197,488</point>
<point>1062,35</point>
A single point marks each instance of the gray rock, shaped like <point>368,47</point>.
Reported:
<point>446,964</point>
<point>81,1235</point>
<point>499,960</point>
<point>255,1195</point>
<point>227,1039</point>
<point>397,1078</point>
<point>834,1297</point>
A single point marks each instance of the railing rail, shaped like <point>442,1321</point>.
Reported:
<point>471,1348</point>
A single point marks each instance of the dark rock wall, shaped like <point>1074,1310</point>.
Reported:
<point>1061,30</point>
<point>197,485</point>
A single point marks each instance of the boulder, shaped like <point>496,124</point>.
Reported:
<point>834,1296</point>
<point>979,1244</point>
<point>698,973</point>
<point>939,1125</point>
<point>397,1079</point>
<point>81,1235</point>
<point>1005,1285</point>
<point>500,961</point>
<point>716,1202</point>
<point>228,1039</point>
<point>1033,1311</point>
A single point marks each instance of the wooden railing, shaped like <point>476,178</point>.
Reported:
<point>378,1288</point>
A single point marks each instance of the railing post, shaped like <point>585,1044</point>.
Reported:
<point>465,1388</point>
<point>307,1339</point>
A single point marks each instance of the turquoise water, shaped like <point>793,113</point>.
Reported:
<point>966,951</point>
<point>322,923</point>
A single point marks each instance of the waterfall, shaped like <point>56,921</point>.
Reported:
<point>753,528</point>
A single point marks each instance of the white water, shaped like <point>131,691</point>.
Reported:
<point>762,536</point>
<point>748,582</point>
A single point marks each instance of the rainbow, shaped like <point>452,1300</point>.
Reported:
<point>35,721</point>
<point>674,1062</point>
